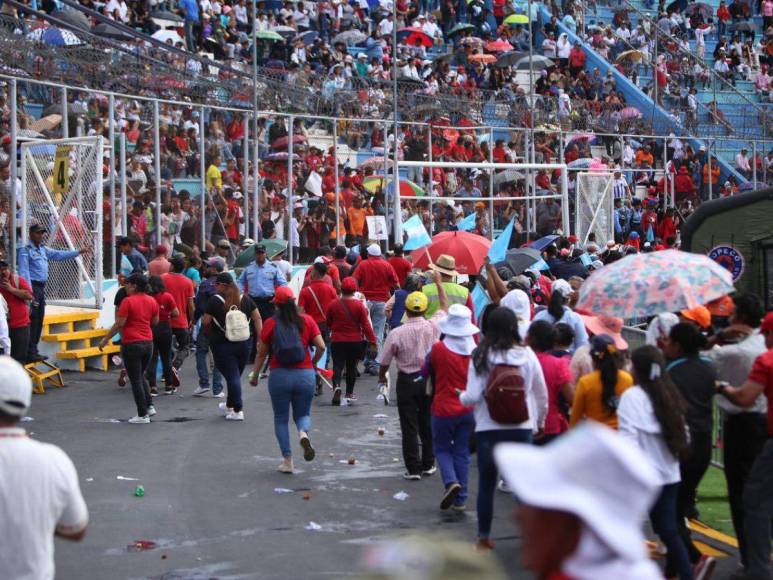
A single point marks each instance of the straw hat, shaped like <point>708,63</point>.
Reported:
<point>591,472</point>
<point>458,323</point>
<point>445,264</point>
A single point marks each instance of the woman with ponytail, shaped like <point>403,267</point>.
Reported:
<point>651,414</point>
<point>558,311</point>
<point>598,393</point>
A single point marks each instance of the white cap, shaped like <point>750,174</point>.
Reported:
<point>563,287</point>
<point>238,195</point>
<point>15,387</point>
<point>319,260</point>
<point>374,250</point>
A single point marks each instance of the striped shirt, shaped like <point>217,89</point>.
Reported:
<point>409,344</point>
<point>620,188</point>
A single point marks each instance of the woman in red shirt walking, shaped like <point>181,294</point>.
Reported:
<point>290,334</point>
<point>137,315</point>
<point>349,326</point>
<point>452,422</point>
<point>162,335</point>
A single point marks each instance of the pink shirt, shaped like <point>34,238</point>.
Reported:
<point>159,266</point>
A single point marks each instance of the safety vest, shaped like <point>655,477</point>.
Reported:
<point>456,295</point>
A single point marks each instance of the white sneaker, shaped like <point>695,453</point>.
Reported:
<point>200,391</point>
<point>151,411</point>
<point>220,395</point>
<point>139,420</point>
<point>235,416</point>
<point>503,487</point>
<point>224,408</point>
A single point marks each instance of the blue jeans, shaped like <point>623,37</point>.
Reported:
<point>230,360</point>
<point>202,365</point>
<point>378,319</point>
<point>487,471</point>
<point>451,443</point>
<point>664,523</point>
<point>291,387</point>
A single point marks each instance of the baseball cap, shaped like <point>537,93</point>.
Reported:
<point>700,315</point>
<point>162,249</point>
<point>416,302</point>
<point>348,284</point>
<point>216,262</point>
<point>34,228</point>
<point>224,244</point>
<point>260,248</point>
<point>15,388</point>
<point>767,323</point>
<point>374,250</point>
<point>283,295</point>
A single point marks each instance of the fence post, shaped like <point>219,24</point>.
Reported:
<point>14,176</point>
<point>65,119</point>
<point>203,178</point>
<point>339,241</point>
<point>290,196</point>
<point>124,209</point>
<point>111,136</point>
<point>491,184</point>
<point>256,231</point>
<point>384,182</point>
<point>754,164</point>
<point>429,182</point>
<point>246,175</point>
<point>157,166</point>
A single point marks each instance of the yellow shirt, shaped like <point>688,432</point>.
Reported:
<point>214,178</point>
<point>587,399</point>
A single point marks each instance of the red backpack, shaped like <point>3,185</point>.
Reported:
<point>505,395</point>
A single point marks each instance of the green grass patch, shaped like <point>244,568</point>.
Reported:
<point>712,501</point>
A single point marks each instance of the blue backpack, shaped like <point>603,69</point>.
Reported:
<point>287,346</point>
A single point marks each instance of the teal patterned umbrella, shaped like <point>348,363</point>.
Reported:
<point>648,284</point>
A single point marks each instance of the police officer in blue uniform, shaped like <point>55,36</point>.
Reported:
<point>32,264</point>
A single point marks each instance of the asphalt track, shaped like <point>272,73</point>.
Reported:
<point>211,509</point>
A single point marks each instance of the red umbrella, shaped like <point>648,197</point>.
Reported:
<point>281,143</point>
<point>498,46</point>
<point>484,58</point>
<point>411,36</point>
<point>469,251</point>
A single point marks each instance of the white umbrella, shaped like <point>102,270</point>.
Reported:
<point>167,35</point>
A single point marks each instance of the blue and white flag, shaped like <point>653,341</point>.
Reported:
<point>498,249</point>
<point>467,224</point>
<point>417,234</point>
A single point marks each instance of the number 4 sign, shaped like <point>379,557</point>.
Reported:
<point>62,169</point>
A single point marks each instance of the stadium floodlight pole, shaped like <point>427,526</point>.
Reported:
<point>395,174</point>
<point>531,59</point>
<point>111,134</point>
<point>157,167</point>
<point>124,209</point>
<point>12,201</point>
<point>203,177</point>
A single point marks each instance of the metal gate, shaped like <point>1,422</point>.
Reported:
<point>62,191</point>
<point>594,211</point>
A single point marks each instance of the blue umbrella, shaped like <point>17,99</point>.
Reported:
<point>54,36</point>
<point>308,37</point>
<point>543,243</point>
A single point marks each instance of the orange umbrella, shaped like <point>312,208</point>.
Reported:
<point>484,58</point>
<point>499,46</point>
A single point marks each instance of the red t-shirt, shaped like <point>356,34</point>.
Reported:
<point>166,304</point>
<point>762,373</point>
<point>18,309</point>
<point>325,294</point>
<point>138,310</point>
<point>402,268</point>
<point>351,325</point>
<point>557,373</point>
<point>310,331</point>
<point>376,278</point>
<point>450,370</point>
<point>181,289</point>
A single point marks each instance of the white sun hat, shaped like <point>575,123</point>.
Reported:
<point>591,472</point>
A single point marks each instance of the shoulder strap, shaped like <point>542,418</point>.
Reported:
<point>675,363</point>
<point>319,306</point>
<point>349,313</point>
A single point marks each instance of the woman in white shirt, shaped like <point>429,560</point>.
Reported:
<point>651,415</point>
<point>500,346</point>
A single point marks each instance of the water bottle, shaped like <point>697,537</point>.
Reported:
<point>140,491</point>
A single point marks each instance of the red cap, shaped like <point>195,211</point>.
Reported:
<point>767,322</point>
<point>162,249</point>
<point>348,285</point>
<point>283,295</point>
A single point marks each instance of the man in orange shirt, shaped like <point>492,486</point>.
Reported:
<point>644,155</point>
<point>357,214</point>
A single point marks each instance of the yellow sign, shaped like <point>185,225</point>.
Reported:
<point>61,176</point>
